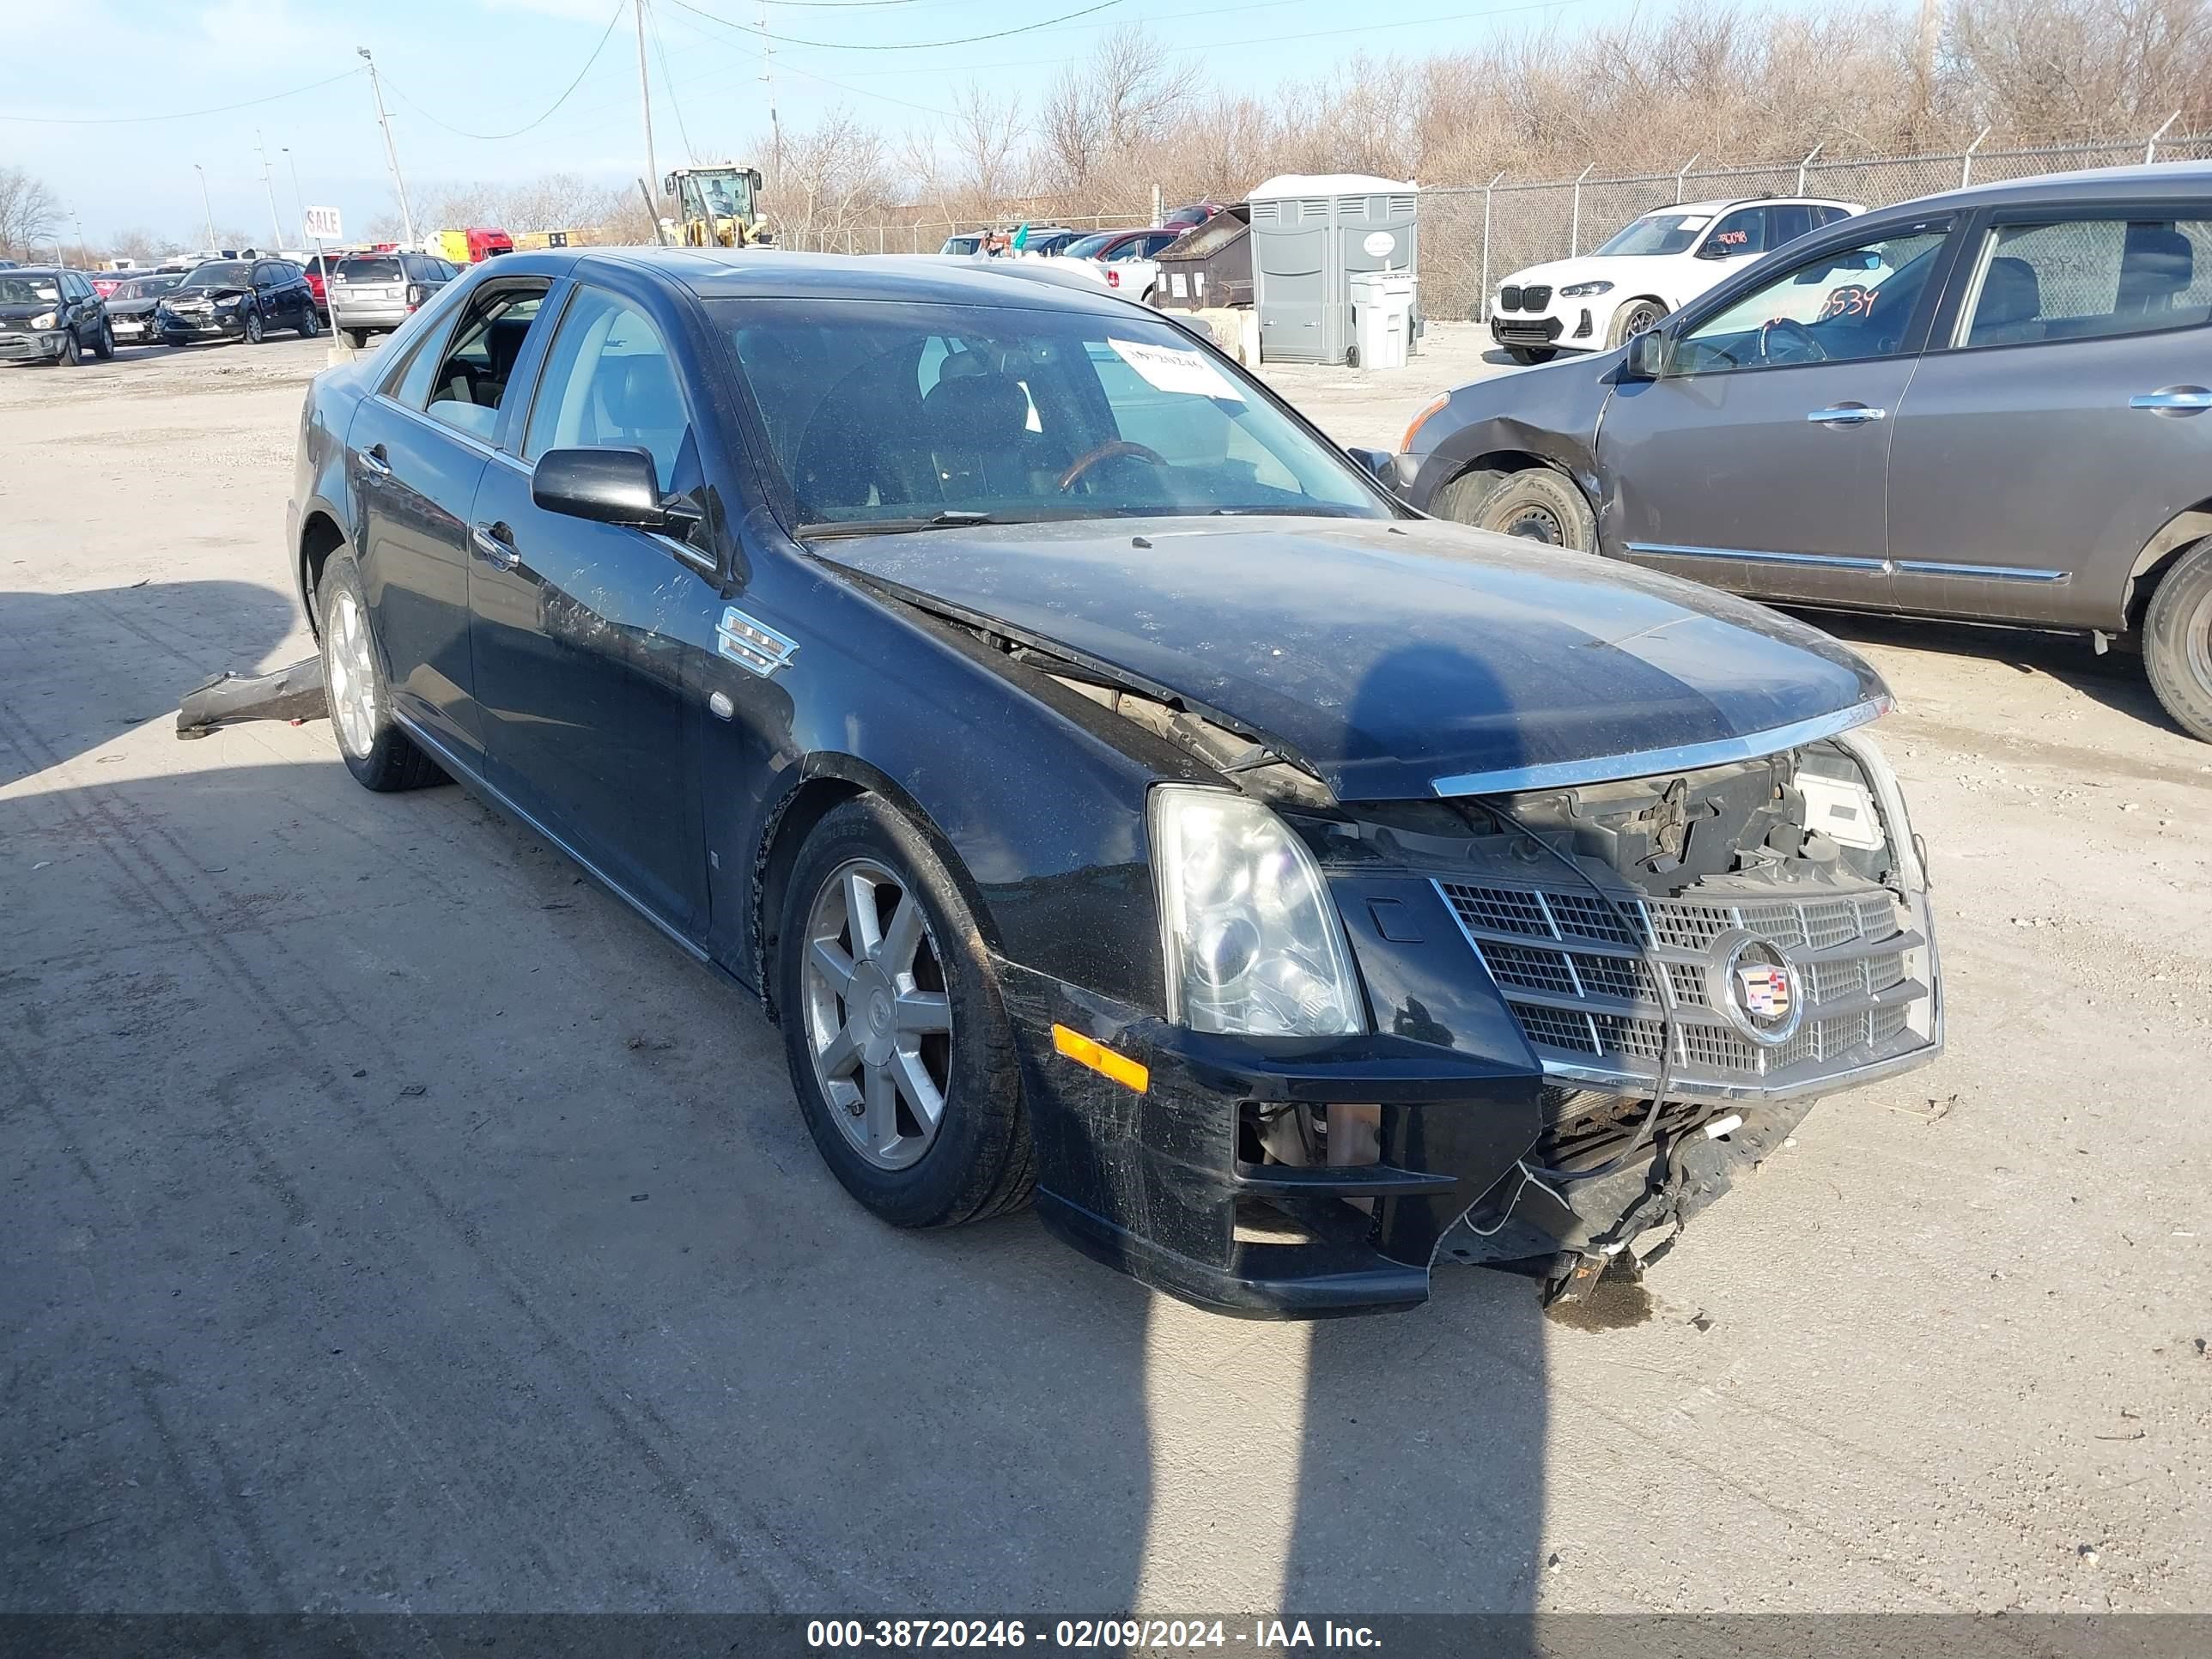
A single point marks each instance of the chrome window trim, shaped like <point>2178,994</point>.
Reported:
<point>1651,762</point>
<point>1753,556</point>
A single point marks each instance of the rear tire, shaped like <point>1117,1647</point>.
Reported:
<point>1633,319</point>
<point>376,751</point>
<point>1537,502</point>
<point>976,1161</point>
<point>2177,642</point>
<point>1530,356</point>
<point>356,337</point>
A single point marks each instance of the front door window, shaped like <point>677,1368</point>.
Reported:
<point>1842,306</point>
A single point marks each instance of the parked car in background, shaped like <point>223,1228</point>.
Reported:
<point>2001,409</point>
<point>1121,260</point>
<point>969,242</point>
<point>1189,217</point>
<point>50,315</point>
<point>237,299</point>
<point>1116,795</point>
<point>317,268</point>
<point>130,306</point>
<point>1654,265</point>
<point>375,292</point>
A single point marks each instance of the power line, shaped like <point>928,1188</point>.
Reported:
<point>668,81</point>
<point>899,45</point>
<point>181,115</point>
<point>604,35</point>
<point>859,92</point>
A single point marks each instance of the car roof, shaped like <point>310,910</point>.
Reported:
<point>40,271</point>
<point>2178,182</point>
<point>767,273</point>
<point>1724,203</point>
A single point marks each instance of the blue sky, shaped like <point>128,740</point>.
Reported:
<point>490,66</point>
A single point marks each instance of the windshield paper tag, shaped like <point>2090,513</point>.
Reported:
<point>1171,370</point>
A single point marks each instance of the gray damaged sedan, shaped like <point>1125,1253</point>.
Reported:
<point>1993,405</point>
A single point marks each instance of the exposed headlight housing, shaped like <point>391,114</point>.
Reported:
<point>1584,290</point>
<point>45,320</point>
<point>1251,940</point>
<point>1881,778</point>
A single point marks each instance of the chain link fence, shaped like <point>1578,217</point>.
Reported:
<point>1474,235</point>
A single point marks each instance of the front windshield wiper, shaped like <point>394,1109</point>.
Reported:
<point>950,519</point>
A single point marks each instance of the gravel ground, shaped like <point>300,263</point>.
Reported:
<point>393,1222</point>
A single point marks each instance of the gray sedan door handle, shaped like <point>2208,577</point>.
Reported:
<point>493,546</point>
<point>2184,399</point>
<point>1847,415</point>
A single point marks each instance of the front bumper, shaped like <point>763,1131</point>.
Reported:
<point>182,328</point>
<point>28,348</point>
<point>1566,324</point>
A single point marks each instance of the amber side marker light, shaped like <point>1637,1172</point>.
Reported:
<point>1406,443</point>
<point>1100,1059</point>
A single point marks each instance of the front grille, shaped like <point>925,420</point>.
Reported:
<point>1535,299</point>
<point>1509,298</point>
<point>1591,982</point>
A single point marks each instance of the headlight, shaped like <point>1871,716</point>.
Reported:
<point>44,320</point>
<point>1252,942</point>
<point>1584,290</point>
<point>229,302</point>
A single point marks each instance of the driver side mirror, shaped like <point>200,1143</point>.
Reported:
<point>609,486</point>
<point>1649,356</point>
<point>1378,464</point>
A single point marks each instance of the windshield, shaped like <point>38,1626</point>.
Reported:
<point>1656,232</point>
<point>383,268</point>
<point>878,411</point>
<point>1090,245</point>
<point>235,275</point>
<point>145,288</point>
<point>28,290</point>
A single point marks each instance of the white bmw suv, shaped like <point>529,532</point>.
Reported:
<point>1657,264</point>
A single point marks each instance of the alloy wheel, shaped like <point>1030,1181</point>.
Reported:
<point>352,678</point>
<point>878,1012</point>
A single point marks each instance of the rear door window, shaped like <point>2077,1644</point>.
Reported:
<point>2088,278</point>
<point>1787,221</point>
<point>464,384</point>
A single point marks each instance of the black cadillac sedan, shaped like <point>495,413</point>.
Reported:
<point>1116,797</point>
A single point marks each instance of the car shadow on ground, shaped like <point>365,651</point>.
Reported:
<point>2115,679</point>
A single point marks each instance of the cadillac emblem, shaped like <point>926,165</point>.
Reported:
<point>1760,990</point>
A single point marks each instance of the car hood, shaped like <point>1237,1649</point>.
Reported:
<point>1644,270</point>
<point>1389,655</point>
<point>15,311</point>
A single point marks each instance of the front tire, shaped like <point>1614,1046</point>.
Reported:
<point>2177,642</point>
<point>1537,503</point>
<point>376,751</point>
<point>900,1048</point>
<point>253,332</point>
<point>103,347</point>
<point>68,356</point>
<point>1633,319</point>
<point>357,338</point>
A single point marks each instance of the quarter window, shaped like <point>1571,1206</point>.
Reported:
<point>609,384</point>
<point>2089,278</point>
<point>1846,304</point>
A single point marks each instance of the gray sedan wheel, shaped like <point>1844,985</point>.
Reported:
<point>2177,642</point>
<point>901,1051</point>
<point>1537,503</point>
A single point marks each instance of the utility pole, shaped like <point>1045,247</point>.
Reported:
<point>645,99</point>
<point>1928,36</point>
<point>768,93</point>
<point>269,184</point>
<point>392,154</point>
<point>205,206</point>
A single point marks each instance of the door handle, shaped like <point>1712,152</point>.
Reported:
<point>495,546</point>
<point>374,461</point>
<point>2180,399</point>
<point>1847,415</point>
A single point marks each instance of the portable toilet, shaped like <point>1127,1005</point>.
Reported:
<point>1310,232</point>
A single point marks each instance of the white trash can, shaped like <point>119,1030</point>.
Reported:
<point>1383,317</point>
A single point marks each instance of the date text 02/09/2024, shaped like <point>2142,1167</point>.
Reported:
<point>1120,1634</point>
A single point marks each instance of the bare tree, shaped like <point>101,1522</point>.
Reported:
<point>29,214</point>
<point>827,178</point>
